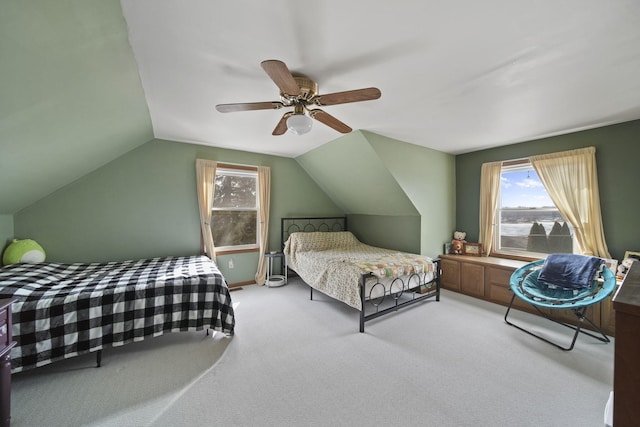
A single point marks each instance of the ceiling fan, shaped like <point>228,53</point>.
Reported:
<point>300,92</point>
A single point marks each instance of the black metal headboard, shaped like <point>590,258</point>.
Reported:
<point>308,224</point>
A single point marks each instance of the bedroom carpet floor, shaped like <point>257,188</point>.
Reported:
<point>135,382</point>
<point>296,362</point>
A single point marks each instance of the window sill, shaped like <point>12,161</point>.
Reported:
<point>514,257</point>
<point>236,251</point>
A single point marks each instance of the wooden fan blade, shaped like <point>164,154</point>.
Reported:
<point>249,106</point>
<point>348,96</point>
<point>281,127</point>
<point>329,120</point>
<point>281,76</point>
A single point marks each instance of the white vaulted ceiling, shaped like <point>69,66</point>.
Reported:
<point>455,76</point>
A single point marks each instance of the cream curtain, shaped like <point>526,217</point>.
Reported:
<point>571,179</point>
<point>206,182</point>
<point>489,190</point>
<point>264,192</point>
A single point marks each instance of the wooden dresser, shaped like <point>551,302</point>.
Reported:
<point>6,344</point>
<point>626,373</point>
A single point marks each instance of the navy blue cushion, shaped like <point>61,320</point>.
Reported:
<point>570,271</point>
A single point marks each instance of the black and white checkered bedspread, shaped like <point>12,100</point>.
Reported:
<point>64,310</point>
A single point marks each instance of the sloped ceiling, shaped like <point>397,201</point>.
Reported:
<point>70,95</point>
<point>83,82</point>
<point>355,178</point>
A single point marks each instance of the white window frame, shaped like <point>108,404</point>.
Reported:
<point>515,166</point>
<point>243,171</point>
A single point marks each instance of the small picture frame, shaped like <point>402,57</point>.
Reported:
<point>447,248</point>
<point>631,254</point>
<point>472,249</point>
<point>612,264</point>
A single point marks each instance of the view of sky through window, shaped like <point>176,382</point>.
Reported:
<point>523,189</point>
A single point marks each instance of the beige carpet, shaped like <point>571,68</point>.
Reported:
<point>135,382</point>
<point>296,362</point>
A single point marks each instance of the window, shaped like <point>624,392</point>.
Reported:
<point>234,215</point>
<point>527,222</point>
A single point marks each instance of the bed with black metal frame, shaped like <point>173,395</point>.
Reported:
<point>376,295</point>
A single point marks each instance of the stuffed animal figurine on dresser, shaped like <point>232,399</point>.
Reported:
<point>458,242</point>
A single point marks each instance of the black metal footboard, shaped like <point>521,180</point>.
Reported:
<point>422,290</point>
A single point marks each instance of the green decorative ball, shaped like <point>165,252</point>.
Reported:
<point>25,250</point>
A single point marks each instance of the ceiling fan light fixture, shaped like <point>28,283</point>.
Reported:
<point>299,123</point>
<point>300,92</point>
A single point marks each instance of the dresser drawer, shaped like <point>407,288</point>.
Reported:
<point>4,333</point>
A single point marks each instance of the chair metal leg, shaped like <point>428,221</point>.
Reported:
<point>580,314</point>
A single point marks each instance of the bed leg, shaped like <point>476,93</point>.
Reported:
<point>362,301</point>
<point>311,293</point>
<point>98,358</point>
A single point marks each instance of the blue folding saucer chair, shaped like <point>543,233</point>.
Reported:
<point>563,282</point>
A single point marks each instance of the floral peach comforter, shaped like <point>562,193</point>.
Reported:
<point>333,263</point>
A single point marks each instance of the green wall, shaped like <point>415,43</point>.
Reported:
<point>6,231</point>
<point>374,230</point>
<point>71,97</point>
<point>353,175</point>
<point>617,154</point>
<point>144,204</point>
<point>428,178</point>
<point>382,182</point>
